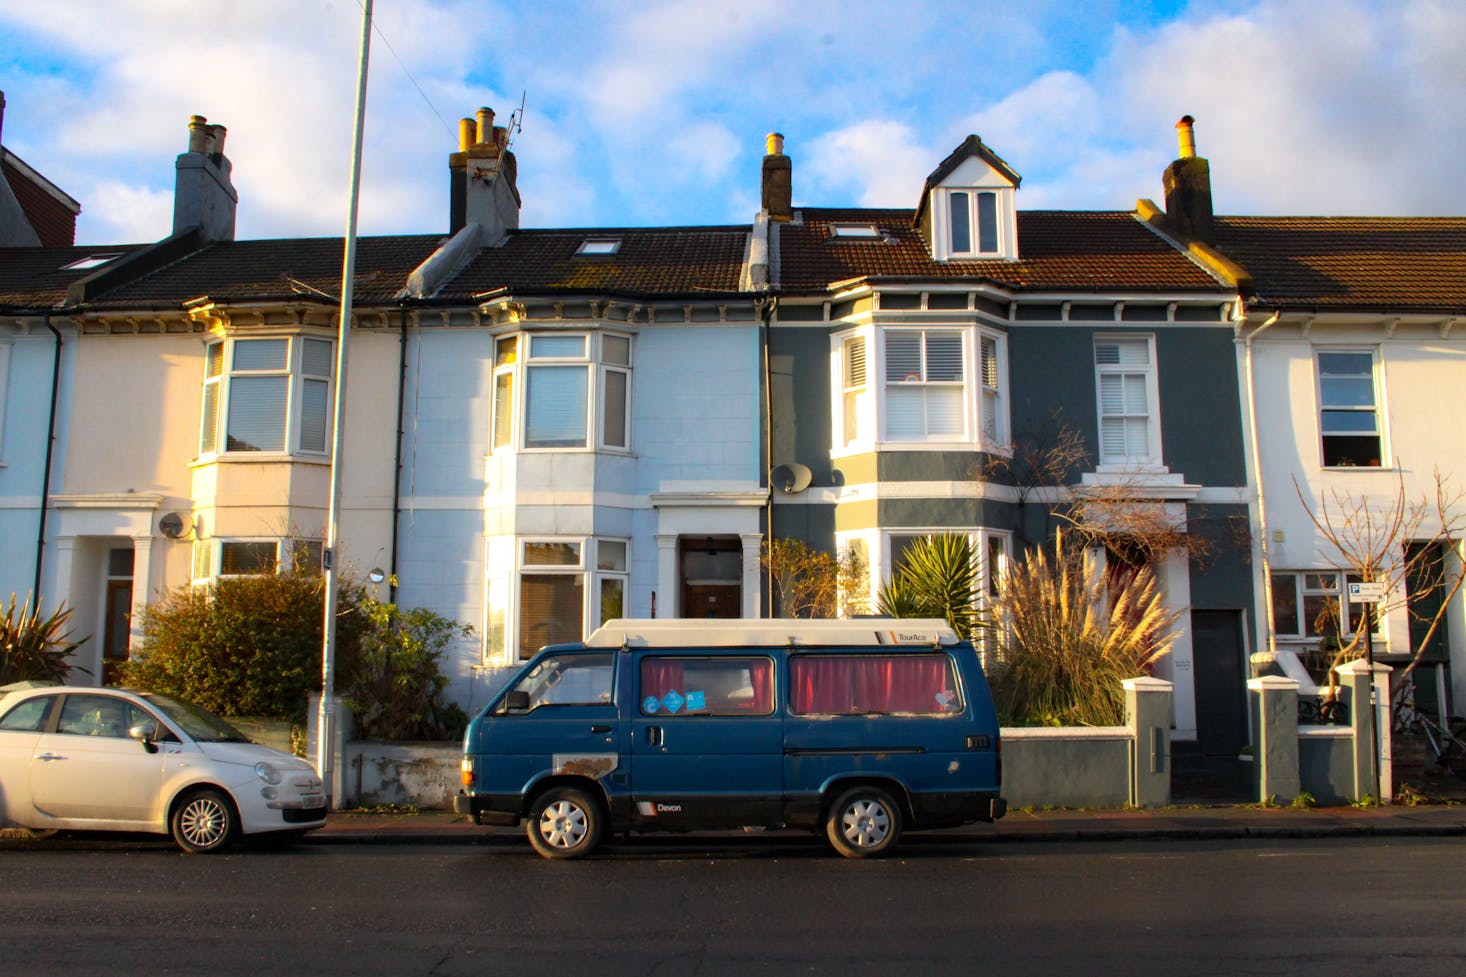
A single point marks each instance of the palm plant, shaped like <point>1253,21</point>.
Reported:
<point>33,648</point>
<point>938,579</point>
<point>1065,643</point>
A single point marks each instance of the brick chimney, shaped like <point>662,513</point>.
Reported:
<point>778,180</point>
<point>1187,182</point>
<point>484,179</point>
<point>203,197</point>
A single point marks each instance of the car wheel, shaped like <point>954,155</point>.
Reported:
<point>864,822</point>
<point>564,822</point>
<point>204,822</point>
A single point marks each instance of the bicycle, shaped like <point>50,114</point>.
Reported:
<point>1447,743</point>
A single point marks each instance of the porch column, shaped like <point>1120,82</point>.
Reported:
<point>142,589</point>
<point>669,601</point>
<point>752,574</point>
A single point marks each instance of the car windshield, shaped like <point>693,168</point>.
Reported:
<point>200,724</point>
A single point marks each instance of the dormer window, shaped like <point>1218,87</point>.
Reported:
<point>971,210</point>
<point>595,247</point>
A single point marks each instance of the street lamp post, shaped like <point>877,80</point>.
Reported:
<point>326,717</point>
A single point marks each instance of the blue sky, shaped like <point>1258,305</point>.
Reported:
<point>654,113</point>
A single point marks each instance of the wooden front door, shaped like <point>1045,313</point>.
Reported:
<point>712,600</point>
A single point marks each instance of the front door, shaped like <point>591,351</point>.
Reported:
<point>707,743</point>
<point>712,600</point>
<point>1221,685</point>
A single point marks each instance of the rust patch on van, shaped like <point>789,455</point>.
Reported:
<point>595,765</point>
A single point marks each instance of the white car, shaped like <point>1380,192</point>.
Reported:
<point>120,760</point>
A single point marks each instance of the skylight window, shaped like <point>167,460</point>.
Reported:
<point>599,247</point>
<point>90,261</point>
<point>855,232</point>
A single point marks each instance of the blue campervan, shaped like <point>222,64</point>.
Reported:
<point>859,729</point>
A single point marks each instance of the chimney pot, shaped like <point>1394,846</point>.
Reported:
<point>1186,136</point>
<point>467,134</point>
<point>485,125</point>
<point>774,144</point>
<point>777,183</point>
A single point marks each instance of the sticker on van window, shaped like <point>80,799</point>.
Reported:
<point>649,704</point>
<point>673,701</point>
<point>696,701</point>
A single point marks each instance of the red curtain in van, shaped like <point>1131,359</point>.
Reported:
<point>920,684</point>
<point>718,678</point>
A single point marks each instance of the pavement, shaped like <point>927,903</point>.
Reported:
<point>1225,821</point>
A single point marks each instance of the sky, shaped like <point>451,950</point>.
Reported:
<point>654,112</point>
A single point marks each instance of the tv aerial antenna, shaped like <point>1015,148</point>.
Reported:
<point>516,120</point>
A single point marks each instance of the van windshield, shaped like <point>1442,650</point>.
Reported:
<point>568,680</point>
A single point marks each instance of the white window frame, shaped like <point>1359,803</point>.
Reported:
<point>5,346</point>
<point>1377,409</point>
<point>943,242</point>
<point>596,562</point>
<point>1345,611</point>
<point>597,361</point>
<point>219,387</point>
<point>1148,372</point>
<point>860,412</point>
<point>208,555</point>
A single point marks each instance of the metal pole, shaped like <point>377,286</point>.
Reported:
<point>325,731</point>
<point>1373,697</point>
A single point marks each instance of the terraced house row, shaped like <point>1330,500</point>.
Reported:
<point>549,428</point>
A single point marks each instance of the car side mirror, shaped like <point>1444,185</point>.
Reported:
<point>144,734</point>
<point>516,700</point>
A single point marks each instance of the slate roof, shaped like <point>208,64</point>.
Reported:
<point>650,261</point>
<point>33,278</point>
<point>1376,264</point>
<point>1059,251</point>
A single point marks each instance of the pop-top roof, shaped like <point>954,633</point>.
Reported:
<point>681,633</point>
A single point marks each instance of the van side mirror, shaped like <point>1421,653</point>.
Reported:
<point>516,700</point>
<point>144,734</point>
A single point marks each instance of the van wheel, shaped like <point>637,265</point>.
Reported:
<point>564,822</point>
<point>864,822</point>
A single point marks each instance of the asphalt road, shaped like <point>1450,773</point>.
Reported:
<point>712,907</point>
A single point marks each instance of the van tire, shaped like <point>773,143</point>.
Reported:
<point>564,822</point>
<point>864,822</point>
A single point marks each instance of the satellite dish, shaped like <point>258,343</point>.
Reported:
<point>792,478</point>
<point>172,525</point>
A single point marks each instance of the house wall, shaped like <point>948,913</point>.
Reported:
<point>1420,393</point>
<point>26,365</point>
<point>695,428</point>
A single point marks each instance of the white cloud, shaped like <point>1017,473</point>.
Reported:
<point>879,159</point>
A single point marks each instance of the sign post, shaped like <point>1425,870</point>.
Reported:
<point>1368,593</point>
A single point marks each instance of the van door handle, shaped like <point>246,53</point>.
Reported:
<point>654,736</point>
<point>600,728</point>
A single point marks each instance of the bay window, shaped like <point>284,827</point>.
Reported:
<point>925,393</point>
<point>267,395</point>
<point>556,578</point>
<point>576,390</point>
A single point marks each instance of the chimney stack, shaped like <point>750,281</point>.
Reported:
<point>778,180</point>
<point>483,175</point>
<point>1187,183</point>
<point>203,197</point>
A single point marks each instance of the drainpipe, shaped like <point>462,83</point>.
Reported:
<point>1267,577</point>
<point>46,474</point>
<point>397,461</point>
<point>766,315</point>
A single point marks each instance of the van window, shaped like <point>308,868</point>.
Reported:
<point>707,686</point>
<point>574,680</point>
<point>864,685</point>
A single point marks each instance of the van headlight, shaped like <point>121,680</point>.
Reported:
<point>268,772</point>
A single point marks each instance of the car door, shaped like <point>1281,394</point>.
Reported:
<point>706,741</point>
<point>88,768</point>
<point>20,727</point>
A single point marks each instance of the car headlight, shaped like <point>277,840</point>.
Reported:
<point>268,772</point>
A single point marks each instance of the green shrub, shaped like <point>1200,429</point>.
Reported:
<point>1064,643</point>
<point>244,646</point>
<point>395,684</point>
<point>33,648</point>
<point>939,578</point>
